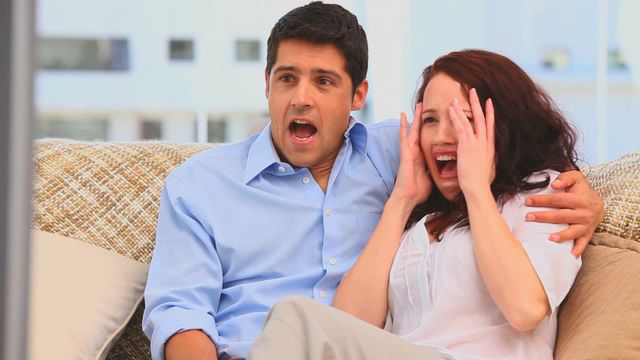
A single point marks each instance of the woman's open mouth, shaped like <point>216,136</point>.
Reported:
<point>447,166</point>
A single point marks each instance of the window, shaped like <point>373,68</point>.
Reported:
<point>616,60</point>
<point>151,130</point>
<point>217,130</point>
<point>83,54</point>
<point>181,49</point>
<point>555,58</point>
<point>81,129</point>
<point>247,50</point>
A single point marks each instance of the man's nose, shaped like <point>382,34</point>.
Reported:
<point>302,95</point>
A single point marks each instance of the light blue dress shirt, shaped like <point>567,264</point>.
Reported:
<point>239,230</point>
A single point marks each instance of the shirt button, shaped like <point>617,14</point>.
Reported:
<point>323,294</point>
<point>332,261</point>
<point>281,168</point>
<point>305,180</point>
<point>327,212</point>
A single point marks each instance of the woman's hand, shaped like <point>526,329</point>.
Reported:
<point>413,184</point>
<point>476,145</point>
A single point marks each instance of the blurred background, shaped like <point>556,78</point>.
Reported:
<point>193,70</point>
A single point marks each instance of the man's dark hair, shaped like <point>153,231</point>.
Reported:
<point>324,24</point>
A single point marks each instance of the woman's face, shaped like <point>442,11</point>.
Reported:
<point>438,138</point>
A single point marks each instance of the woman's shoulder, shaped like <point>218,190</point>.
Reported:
<point>539,176</point>
<point>517,200</point>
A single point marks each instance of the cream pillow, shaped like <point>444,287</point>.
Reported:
<point>82,296</point>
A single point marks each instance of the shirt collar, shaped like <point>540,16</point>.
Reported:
<point>357,132</point>
<point>262,153</point>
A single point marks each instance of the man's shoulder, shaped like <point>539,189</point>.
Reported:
<point>227,158</point>
<point>383,126</point>
<point>383,135</point>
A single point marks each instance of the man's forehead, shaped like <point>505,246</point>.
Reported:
<point>297,50</point>
<point>300,54</point>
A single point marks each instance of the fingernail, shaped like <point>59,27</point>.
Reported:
<point>554,237</point>
<point>455,100</point>
<point>528,202</point>
<point>531,217</point>
<point>473,90</point>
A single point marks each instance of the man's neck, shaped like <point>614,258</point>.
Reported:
<point>322,173</point>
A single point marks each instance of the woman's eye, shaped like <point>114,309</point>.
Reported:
<point>429,120</point>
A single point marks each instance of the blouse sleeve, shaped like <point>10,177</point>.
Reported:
<point>553,262</point>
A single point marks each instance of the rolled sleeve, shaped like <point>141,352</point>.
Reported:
<point>185,277</point>
<point>171,321</point>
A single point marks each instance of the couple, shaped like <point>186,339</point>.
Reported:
<point>453,267</point>
<point>309,190</point>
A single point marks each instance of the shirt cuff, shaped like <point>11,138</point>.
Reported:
<point>176,320</point>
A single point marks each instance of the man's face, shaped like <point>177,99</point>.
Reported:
<point>310,100</point>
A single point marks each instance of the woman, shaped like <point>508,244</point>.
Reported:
<point>453,267</point>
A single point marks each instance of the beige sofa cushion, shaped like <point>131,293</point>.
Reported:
<point>600,318</point>
<point>82,297</point>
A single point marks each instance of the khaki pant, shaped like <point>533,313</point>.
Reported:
<point>299,328</point>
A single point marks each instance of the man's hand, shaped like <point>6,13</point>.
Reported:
<point>192,345</point>
<point>579,206</point>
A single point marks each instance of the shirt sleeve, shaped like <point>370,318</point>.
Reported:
<point>185,277</point>
<point>553,262</point>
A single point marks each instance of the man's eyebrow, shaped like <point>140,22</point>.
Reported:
<point>327,72</point>
<point>287,68</point>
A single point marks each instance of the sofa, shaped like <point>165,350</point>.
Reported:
<point>106,196</point>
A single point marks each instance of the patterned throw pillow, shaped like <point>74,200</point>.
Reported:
<point>618,183</point>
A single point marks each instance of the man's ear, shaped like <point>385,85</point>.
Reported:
<point>266,83</point>
<point>360,96</point>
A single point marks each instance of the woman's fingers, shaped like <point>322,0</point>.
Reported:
<point>403,132</point>
<point>491,121</point>
<point>416,125</point>
<point>478,116</point>
<point>461,127</point>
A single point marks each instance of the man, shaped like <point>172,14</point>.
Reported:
<point>287,211</point>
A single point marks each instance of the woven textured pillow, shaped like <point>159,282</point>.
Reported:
<point>618,183</point>
<point>106,194</point>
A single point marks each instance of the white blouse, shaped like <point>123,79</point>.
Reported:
<point>437,297</point>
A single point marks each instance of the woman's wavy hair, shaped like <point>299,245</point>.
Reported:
<point>530,132</point>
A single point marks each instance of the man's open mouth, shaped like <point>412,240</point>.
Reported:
<point>447,165</point>
<point>302,130</point>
